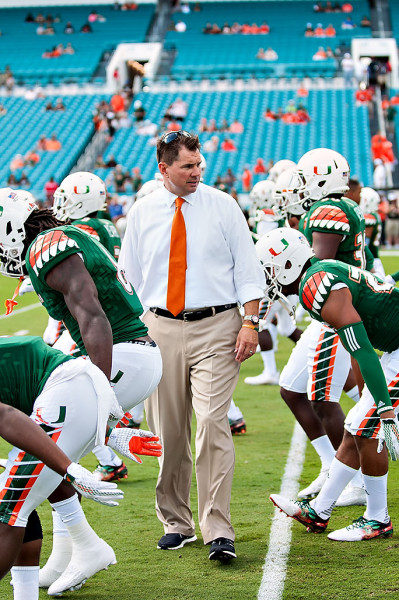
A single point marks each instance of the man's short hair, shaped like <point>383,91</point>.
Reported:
<point>169,144</point>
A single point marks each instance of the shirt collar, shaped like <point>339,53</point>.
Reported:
<point>170,198</point>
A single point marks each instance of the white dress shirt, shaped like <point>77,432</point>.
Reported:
<point>222,266</point>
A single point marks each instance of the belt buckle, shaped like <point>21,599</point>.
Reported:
<point>185,316</point>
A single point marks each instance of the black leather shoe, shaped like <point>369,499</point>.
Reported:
<point>222,549</point>
<point>174,541</point>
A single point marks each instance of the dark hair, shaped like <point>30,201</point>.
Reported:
<point>168,153</point>
<point>38,221</point>
<point>353,184</point>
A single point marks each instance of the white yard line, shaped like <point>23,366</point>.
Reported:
<point>274,570</point>
<point>21,310</point>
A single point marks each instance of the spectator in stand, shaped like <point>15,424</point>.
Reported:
<point>309,30</point>
<point>53,144</point>
<point>260,166</point>
<point>86,28</point>
<point>173,125</point>
<point>23,180</point>
<point>59,105</point>
<point>203,125</point>
<point>379,174</point>
<point>29,18</point>
<point>348,23</point>
<point>136,179</point>
<point>180,26</point>
<point>268,54</point>
<point>125,121</point>
<point>118,179</point>
<point>118,104</point>
<point>178,109</point>
<point>365,22</point>
<point>236,127</point>
<point>211,145</point>
<point>246,179</point>
<point>395,99</point>
<point>347,7</point>
<point>215,29</point>
<point>3,110</point>
<point>302,115</point>
<point>226,29</point>
<point>207,28</point>
<point>228,145</point>
<point>390,115</point>
<point>320,54</point>
<point>18,162</point>
<point>330,31</point>
<point>364,95</point>
<point>264,28</point>
<point>139,111</point>
<point>348,68</point>
<point>236,28</point>
<point>114,209</point>
<point>32,158</point>
<point>229,179</point>
<point>12,181</point>
<point>49,188</point>
<point>69,28</point>
<point>318,31</point>
<point>270,115</point>
<point>111,162</point>
<point>69,49</point>
<point>41,144</point>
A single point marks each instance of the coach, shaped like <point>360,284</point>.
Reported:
<point>189,254</point>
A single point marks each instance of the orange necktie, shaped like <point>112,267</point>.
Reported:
<point>175,298</point>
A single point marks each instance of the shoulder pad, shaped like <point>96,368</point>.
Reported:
<point>330,217</point>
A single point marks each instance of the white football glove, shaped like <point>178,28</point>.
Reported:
<point>26,286</point>
<point>389,433</point>
<point>129,441</point>
<point>88,486</point>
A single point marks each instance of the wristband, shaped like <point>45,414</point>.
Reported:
<point>253,327</point>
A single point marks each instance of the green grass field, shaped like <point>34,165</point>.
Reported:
<point>317,567</point>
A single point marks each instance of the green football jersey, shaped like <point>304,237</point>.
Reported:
<point>342,216</point>
<point>103,231</point>
<point>373,221</point>
<point>376,302</point>
<point>26,363</point>
<point>117,297</point>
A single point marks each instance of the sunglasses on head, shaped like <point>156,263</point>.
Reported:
<point>173,135</point>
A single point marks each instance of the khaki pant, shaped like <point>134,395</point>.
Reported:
<point>200,372</point>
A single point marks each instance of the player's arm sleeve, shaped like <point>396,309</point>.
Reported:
<point>357,343</point>
<point>395,276</point>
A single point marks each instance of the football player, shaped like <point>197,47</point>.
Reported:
<point>69,402</point>
<point>355,303</point>
<point>79,282</point>
<point>369,202</point>
<point>319,365</point>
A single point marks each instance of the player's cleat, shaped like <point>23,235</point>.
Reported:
<point>362,529</point>
<point>352,496</point>
<point>110,473</point>
<point>264,378</point>
<point>301,511</point>
<point>238,427</point>
<point>82,566</point>
<point>314,488</point>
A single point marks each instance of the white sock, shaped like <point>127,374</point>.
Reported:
<point>357,481</point>
<point>60,553</point>
<point>69,510</point>
<point>269,361</point>
<point>273,332</point>
<point>324,449</point>
<point>25,582</point>
<point>376,489</point>
<point>338,478</point>
<point>106,456</point>
<point>234,412</point>
<point>353,394</point>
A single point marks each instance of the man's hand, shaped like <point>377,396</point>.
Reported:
<point>88,486</point>
<point>26,286</point>
<point>246,344</point>
<point>389,433</point>
<point>131,442</point>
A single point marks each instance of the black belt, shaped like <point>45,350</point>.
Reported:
<point>141,343</point>
<point>193,315</point>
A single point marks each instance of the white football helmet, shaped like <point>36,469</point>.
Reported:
<point>15,208</point>
<point>323,172</point>
<point>148,187</point>
<point>283,253</point>
<point>261,195</point>
<point>79,195</point>
<point>279,167</point>
<point>286,195</point>
<point>369,200</point>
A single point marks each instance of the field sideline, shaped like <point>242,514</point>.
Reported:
<point>316,567</point>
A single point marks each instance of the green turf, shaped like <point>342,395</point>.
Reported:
<point>317,567</point>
